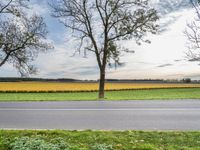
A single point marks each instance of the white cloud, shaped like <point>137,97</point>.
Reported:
<point>165,49</point>
<point>38,7</point>
<point>60,63</point>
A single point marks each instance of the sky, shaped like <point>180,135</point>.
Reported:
<point>164,58</point>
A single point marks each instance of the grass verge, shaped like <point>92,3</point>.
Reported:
<point>99,140</point>
<point>150,94</point>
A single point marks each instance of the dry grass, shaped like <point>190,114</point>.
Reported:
<point>55,86</point>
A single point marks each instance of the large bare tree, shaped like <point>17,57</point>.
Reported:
<point>21,37</point>
<point>193,34</point>
<point>100,24</point>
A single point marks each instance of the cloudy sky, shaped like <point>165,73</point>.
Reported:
<point>164,58</point>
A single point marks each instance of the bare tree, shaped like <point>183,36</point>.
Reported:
<point>193,34</point>
<point>21,42</point>
<point>12,6</point>
<point>99,24</point>
<point>21,37</point>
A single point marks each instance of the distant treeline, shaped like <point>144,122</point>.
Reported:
<point>13,79</point>
<point>136,80</point>
<point>18,79</point>
<point>184,80</point>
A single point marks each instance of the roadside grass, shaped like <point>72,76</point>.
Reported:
<point>147,94</point>
<point>99,140</point>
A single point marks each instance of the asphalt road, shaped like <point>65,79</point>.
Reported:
<point>102,115</point>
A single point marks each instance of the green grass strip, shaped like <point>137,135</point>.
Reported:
<point>92,140</point>
<point>150,94</point>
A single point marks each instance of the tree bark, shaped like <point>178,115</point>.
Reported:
<point>102,84</point>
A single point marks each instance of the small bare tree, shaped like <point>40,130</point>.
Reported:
<point>21,37</point>
<point>193,34</point>
<point>99,24</point>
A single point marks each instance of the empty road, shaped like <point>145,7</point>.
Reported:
<point>102,115</point>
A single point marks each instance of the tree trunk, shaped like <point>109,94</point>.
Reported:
<point>102,84</point>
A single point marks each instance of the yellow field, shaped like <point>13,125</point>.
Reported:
<point>55,86</point>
